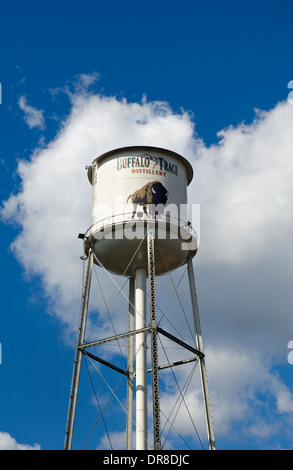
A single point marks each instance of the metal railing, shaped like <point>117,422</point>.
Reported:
<point>127,217</point>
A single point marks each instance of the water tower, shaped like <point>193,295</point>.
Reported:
<point>140,230</point>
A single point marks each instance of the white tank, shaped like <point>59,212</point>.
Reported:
<point>131,186</point>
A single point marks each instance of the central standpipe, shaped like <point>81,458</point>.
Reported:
<point>141,357</point>
<point>131,328</point>
<point>141,360</point>
<point>141,352</point>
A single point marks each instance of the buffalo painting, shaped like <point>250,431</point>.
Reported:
<point>150,195</point>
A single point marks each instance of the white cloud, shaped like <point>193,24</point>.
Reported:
<point>32,116</point>
<point>47,244</point>
<point>244,265</point>
<point>7,442</point>
<point>114,440</point>
<point>284,400</point>
<point>246,391</point>
<point>244,185</point>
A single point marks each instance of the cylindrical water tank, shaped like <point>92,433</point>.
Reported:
<point>132,187</point>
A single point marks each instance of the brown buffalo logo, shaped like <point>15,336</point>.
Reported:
<point>151,194</point>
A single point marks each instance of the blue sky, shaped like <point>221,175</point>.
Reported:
<point>209,80</point>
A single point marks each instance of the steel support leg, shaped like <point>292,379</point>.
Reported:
<point>154,348</point>
<point>199,345</point>
<point>78,356</point>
